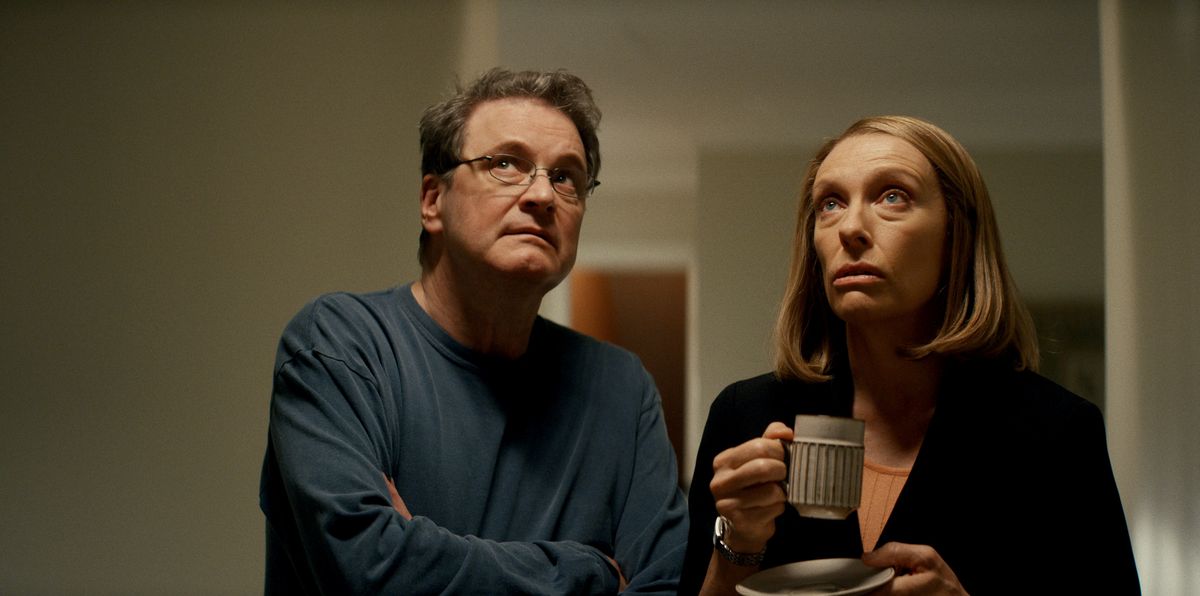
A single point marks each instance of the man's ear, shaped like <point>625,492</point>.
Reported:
<point>432,189</point>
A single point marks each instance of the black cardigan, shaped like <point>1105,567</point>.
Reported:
<point>1012,485</point>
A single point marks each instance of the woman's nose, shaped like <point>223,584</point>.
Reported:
<point>853,229</point>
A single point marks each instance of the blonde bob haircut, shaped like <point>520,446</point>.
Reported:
<point>983,316</point>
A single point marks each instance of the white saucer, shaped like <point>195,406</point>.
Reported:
<point>831,577</point>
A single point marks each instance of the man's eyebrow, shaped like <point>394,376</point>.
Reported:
<point>513,147</point>
<point>521,149</point>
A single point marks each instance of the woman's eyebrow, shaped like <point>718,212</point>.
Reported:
<point>820,189</point>
<point>883,175</point>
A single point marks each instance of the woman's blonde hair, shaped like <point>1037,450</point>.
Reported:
<point>984,317</point>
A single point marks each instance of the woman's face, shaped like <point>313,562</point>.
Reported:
<point>880,232</point>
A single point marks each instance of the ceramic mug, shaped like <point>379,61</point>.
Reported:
<point>825,464</point>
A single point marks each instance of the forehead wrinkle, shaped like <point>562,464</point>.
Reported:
<point>522,121</point>
<point>883,165</point>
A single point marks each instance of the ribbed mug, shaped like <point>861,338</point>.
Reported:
<point>825,464</point>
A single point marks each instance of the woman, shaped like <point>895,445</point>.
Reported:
<point>980,475</point>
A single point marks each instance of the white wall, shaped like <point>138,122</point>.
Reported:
<point>1151,66</point>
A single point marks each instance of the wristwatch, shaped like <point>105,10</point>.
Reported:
<point>720,530</point>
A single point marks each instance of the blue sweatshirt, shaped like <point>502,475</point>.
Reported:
<point>522,475</point>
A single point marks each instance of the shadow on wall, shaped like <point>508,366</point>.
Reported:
<point>1071,338</point>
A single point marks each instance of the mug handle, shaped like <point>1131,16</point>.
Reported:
<point>787,463</point>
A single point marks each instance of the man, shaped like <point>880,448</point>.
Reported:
<point>440,436</point>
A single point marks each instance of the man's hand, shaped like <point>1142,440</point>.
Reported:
<point>397,502</point>
<point>919,570</point>
<point>623,583</point>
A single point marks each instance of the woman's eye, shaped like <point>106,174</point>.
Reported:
<point>502,164</point>
<point>827,205</point>
<point>893,197</point>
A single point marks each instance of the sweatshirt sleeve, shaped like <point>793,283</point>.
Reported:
<point>652,528</point>
<point>334,517</point>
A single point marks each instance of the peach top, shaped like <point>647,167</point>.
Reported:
<point>880,487</point>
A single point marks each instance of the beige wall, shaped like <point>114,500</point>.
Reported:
<point>746,206</point>
<point>177,179</point>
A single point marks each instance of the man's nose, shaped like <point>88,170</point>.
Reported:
<point>540,192</point>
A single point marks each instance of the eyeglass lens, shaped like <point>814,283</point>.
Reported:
<point>511,169</point>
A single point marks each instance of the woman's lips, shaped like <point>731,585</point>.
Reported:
<point>856,274</point>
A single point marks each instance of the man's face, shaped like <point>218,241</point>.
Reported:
<point>526,233</point>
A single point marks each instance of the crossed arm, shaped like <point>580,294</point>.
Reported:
<point>355,533</point>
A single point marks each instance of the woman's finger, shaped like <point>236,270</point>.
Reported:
<point>759,495</point>
<point>761,471</point>
<point>753,449</point>
<point>778,431</point>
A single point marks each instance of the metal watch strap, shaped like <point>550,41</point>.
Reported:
<point>739,559</point>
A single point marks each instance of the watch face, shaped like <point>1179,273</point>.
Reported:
<point>720,529</point>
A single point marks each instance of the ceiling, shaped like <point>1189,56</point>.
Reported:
<point>674,78</point>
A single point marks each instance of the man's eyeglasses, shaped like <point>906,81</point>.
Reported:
<point>572,183</point>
